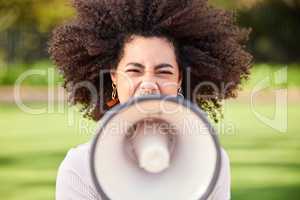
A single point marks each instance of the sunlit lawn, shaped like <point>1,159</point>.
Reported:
<point>265,164</point>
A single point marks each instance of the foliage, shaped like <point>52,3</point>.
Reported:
<point>9,74</point>
<point>276,30</point>
<point>25,26</point>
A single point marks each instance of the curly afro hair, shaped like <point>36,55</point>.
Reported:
<point>207,42</point>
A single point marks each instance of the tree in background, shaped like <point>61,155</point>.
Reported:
<point>276,29</point>
<point>25,26</point>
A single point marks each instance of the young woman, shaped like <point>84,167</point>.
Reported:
<point>183,47</point>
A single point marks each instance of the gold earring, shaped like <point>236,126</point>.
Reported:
<point>114,92</point>
<point>179,92</point>
<point>114,100</point>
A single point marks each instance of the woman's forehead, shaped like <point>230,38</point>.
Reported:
<point>149,51</point>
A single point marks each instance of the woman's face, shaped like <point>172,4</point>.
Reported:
<point>148,66</point>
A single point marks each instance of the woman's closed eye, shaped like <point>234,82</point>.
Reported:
<point>165,72</point>
<point>133,70</point>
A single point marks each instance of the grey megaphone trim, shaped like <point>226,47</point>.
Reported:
<point>106,118</point>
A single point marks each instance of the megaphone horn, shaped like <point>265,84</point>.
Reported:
<point>155,147</point>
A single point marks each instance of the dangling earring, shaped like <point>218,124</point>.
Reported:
<point>179,92</point>
<point>114,100</point>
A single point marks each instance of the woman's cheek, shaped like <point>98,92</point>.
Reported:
<point>126,89</point>
<point>123,93</point>
<point>169,87</point>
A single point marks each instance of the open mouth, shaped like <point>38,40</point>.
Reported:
<point>146,92</point>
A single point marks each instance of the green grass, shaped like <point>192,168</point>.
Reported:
<point>32,146</point>
<point>265,164</point>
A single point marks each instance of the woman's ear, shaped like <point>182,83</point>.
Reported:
<point>180,79</point>
<point>113,76</point>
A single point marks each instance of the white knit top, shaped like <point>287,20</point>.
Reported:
<point>74,180</point>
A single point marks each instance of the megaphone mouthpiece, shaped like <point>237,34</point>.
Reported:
<point>152,151</point>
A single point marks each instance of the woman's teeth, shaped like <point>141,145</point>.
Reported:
<point>146,92</point>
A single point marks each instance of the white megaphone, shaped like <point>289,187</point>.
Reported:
<point>155,148</point>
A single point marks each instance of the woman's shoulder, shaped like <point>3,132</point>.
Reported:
<point>77,160</point>
<point>74,178</point>
<point>224,157</point>
<point>222,190</point>
<point>76,154</point>
<point>225,167</point>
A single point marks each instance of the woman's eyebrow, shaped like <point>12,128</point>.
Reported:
<point>162,65</point>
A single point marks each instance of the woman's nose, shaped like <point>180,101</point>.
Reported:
<point>147,87</point>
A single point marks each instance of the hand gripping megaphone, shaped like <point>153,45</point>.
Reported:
<point>155,147</point>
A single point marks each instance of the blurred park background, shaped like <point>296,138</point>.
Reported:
<point>265,161</point>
